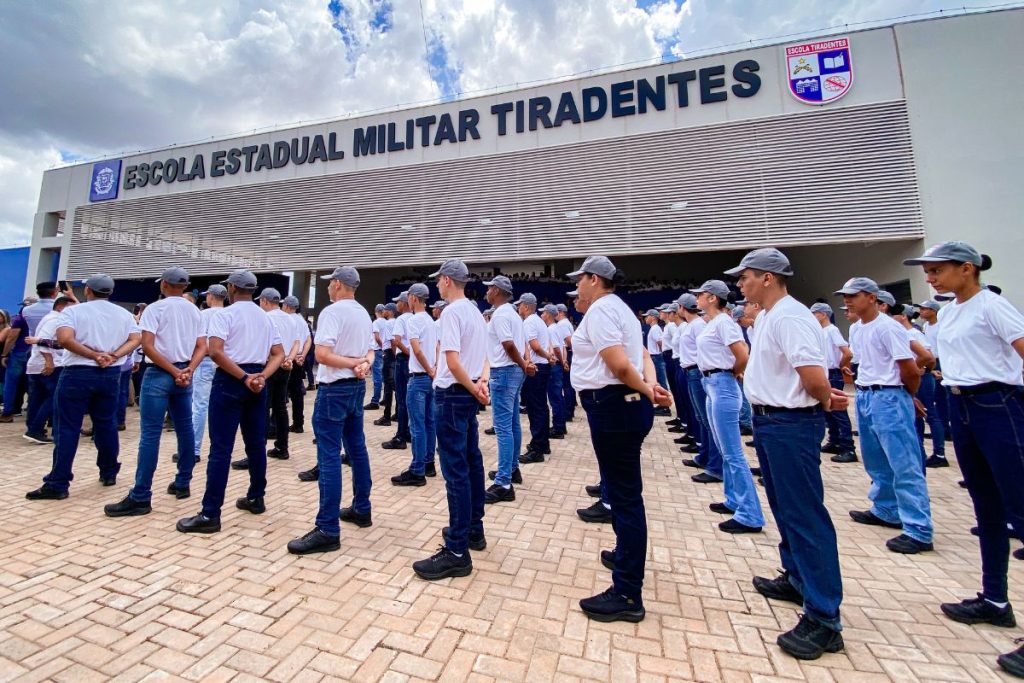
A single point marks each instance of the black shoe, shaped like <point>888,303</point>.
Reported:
<point>531,457</point>
<point>200,524</point>
<point>310,474</point>
<point>430,470</point>
<point>610,606</point>
<point>278,453</point>
<point>721,508</point>
<point>44,492</point>
<point>345,460</point>
<point>407,478</point>
<point>755,471</point>
<point>394,444</point>
<point>690,462</point>
<point>37,438</point>
<point>746,431</point>
<point>907,546</point>
<point>936,461</point>
<point>517,475</point>
<point>315,541</point>
<point>683,441</point>
<point>692,449</point>
<point>676,430</point>
<point>382,422</point>
<point>477,543</point>
<point>108,481</point>
<point>731,526</point>
<point>1018,554</point>
<point>296,429</point>
<point>353,517</point>
<point>174,458</point>
<point>979,611</point>
<point>962,484</point>
<point>831,448</point>
<point>253,505</point>
<point>749,444</point>
<point>809,640</point>
<point>556,435</point>
<point>490,431</point>
<point>178,492</point>
<point>242,464</point>
<point>593,491</point>
<point>1013,662</point>
<point>662,411</point>
<point>310,387</point>
<point>371,406</point>
<point>499,494</point>
<point>595,514</point>
<point>608,559</point>
<point>848,456</point>
<point>868,517</point>
<point>127,508</point>
<point>442,564</point>
<point>778,588</point>
<point>674,422</point>
<point>522,411</point>
<point>705,478</point>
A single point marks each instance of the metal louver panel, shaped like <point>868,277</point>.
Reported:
<point>824,176</point>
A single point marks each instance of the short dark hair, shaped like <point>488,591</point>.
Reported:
<point>46,290</point>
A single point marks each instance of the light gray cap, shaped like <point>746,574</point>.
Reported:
<point>653,312</point>
<point>933,305</point>
<point>886,298</point>
<point>453,268</point>
<point>671,308</point>
<point>420,291</point>
<point>716,287</point>
<point>573,294</point>
<point>29,300</point>
<point>595,265</point>
<point>501,282</point>
<point>856,285</point>
<point>561,308</point>
<point>958,251</point>
<point>174,275</point>
<point>402,298</point>
<point>101,283</point>
<point>391,307</point>
<point>737,313</point>
<point>528,299</point>
<point>291,301</point>
<point>241,278</point>
<point>440,303</point>
<point>216,290</point>
<point>270,294</point>
<point>820,307</point>
<point>489,311</point>
<point>379,308</point>
<point>768,259</point>
<point>687,301</point>
<point>551,310</point>
<point>346,275</point>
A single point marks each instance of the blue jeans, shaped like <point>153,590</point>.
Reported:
<point>41,389</point>
<point>709,457</point>
<point>378,375</point>
<point>659,370</point>
<point>401,387</point>
<point>338,420</point>
<point>888,444</point>
<point>723,406</point>
<point>234,406</point>
<point>555,397</point>
<point>82,390</point>
<point>462,465</point>
<point>124,384</point>
<point>535,396</point>
<point>788,446</point>
<point>569,406</point>
<point>927,393</point>
<point>988,435</point>
<point>202,382</point>
<point>159,396</point>
<point>420,402</point>
<point>840,430</point>
<point>505,385</point>
<point>15,371</point>
<point>618,428</point>
<point>746,416</point>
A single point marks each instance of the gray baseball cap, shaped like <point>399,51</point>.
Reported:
<point>453,268</point>
<point>551,310</point>
<point>216,290</point>
<point>101,283</point>
<point>886,298</point>
<point>270,294</point>
<point>489,311</point>
<point>527,298</point>
<point>768,259</point>
<point>716,287</point>
<point>856,285</point>
<point>820,307</point>
<point>573,294</point>
<point>346,275</point>
<point>379,308</point>
<point>174,276</point>
<point>561,308</point>
<point>391,307</point>
<point>947,251</point>
<point>653,312</point>
<point>933,305</point>
<point>402,298</point>
<point>420,291</point>
<point>687,301</point>
<point>737,313</point>
<point>501,282</point>
<point>241,278</point>
<point>440,303</point>
<point>291,301</point>
<point>595,265</point>
<point>671,308</point>
<point>29,300</point>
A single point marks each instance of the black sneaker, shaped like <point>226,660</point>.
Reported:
<point>778,588</point>
<point>979,611</point>
<point>490,431</point>
<point>593,491</point>
<point>253,505</point>
<point>962,484</point>
<point>848,456</point>
<point>351,516</point>
<point>200,524</point>
<point>907,546</point>
<point>809,640</point>
<point>721,508</point>
<point>517,475</point>
<point>44,492</point>
<point>608,559</point>
<point>731,526</point>
<point>936,461</point>
<point>831,448</point>
<point>755,471</point>
<point>345,460</point>
<point>595,514</point>
<point>127,508</point>
<point>674,422</point>
<point>178,492</point>
<point>682,440</point>
<point>746,431</point>
<point>499,494</point>
<point>382,422</point>
<point>531,457</point>
<point>522,411</point>
<point>477,543</point>
<point>692,449</point>
<point>705,478</point>
<point>407,478</point>
<point>315,541</point>
<point>442,564</point>
<point>1018,554</point>
<point>690,462</point>
<point>37,438</point>
<point>676,430</point>
<point>278,453</point>
<point>1013,662</point>
<point>430,470</point>
<point>242,464</point>
<point>310,474</point>
<point>610,606</point>
<point>868,517</point>
<point>662,411</point>
<point>371,406</point>
<point>394,444</point>
<point>557,435</point>
<point>296,429</point>
<point>174,458</point>
<point>108,481</point>
<point>749,444</point>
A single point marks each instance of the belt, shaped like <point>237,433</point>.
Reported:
<point>401,355</point>
<point>621,389</point>
<point>457,387</point>
<point>708,373</point>
<point>770,410</point>
<point>687,368</point>
<point>877,387</point>
<point>343,380</point>
<point>986,388</point>
<point>417,374</point>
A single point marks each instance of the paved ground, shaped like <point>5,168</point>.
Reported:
<point>84,598</point>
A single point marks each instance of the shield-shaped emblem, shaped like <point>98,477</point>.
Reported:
<point>820,72</point>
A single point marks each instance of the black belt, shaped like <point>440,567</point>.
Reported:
<point>343,380</point>
<point>708,373</point>
<point>401,355</point>
<point>770,410</point>
<point>417,374</point>
<point>878,387</point>
<point>687,368</point>
<point>457,387</point>
<point>612,389</point>
<point>986,388</point>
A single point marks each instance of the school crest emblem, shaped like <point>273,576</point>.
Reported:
<point>820,72</point>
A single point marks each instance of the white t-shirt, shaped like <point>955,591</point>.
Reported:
<point>534,328</point>
<point>713,343</point>
<point>463,329</point>
<point>833,356</point>
<point>45,329</point>
<point>608,322</point>
<point>399,330</point>
<point>854,331</point>
<point>654,336</point>
<point>285,328</point>
<point>344,327</point>
<point>668,337</point>
<point>974,341</point>
<point>98,324</point>
<point>505,325</point>
<point>176,324</point>
<point>880,344</point>
<point>916,335</point>
<point>555,338</point>
<point>931,333</point>
<point>788,337</point>
<point>421,327</point>
<point>205,316</point>
<point>247,332</point>
<point>380,326</point>
<point>301,330</point>
<point>686,342</point>
<point>565,329</point>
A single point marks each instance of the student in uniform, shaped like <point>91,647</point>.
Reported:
<point>535,387</point>
<point>981,343</point>
<point>922,348</point>
<point>559,366</point>
<point>721,356</point>
<point>837,356</point>
<point>687,425</point>
<point>618,388</point>
<point>789,391</point>
<point>344,351</point>
<point>43,370</point>
<point>709,456</point>
<point>172,339</point>
<point>246,347</point>
<point>938,419</point>
<point>388,367</point>
<point>379,329</point>
<point>667,313</point>
<point>296,389</point>
<point>96,336</point>
<point>400,345</point>
<point>202,378</point>
<point>565,330</point>
<point>277,384</point>
<point>739,317</point>
<point>887,380</point>
<point>653,341</point>
<point>460,385</point>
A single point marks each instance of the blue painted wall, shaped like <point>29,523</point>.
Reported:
<point>13,268</point>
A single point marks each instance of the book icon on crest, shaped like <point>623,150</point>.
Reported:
<point>836,62</point>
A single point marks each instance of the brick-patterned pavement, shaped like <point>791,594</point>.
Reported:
<point>84,597</point>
